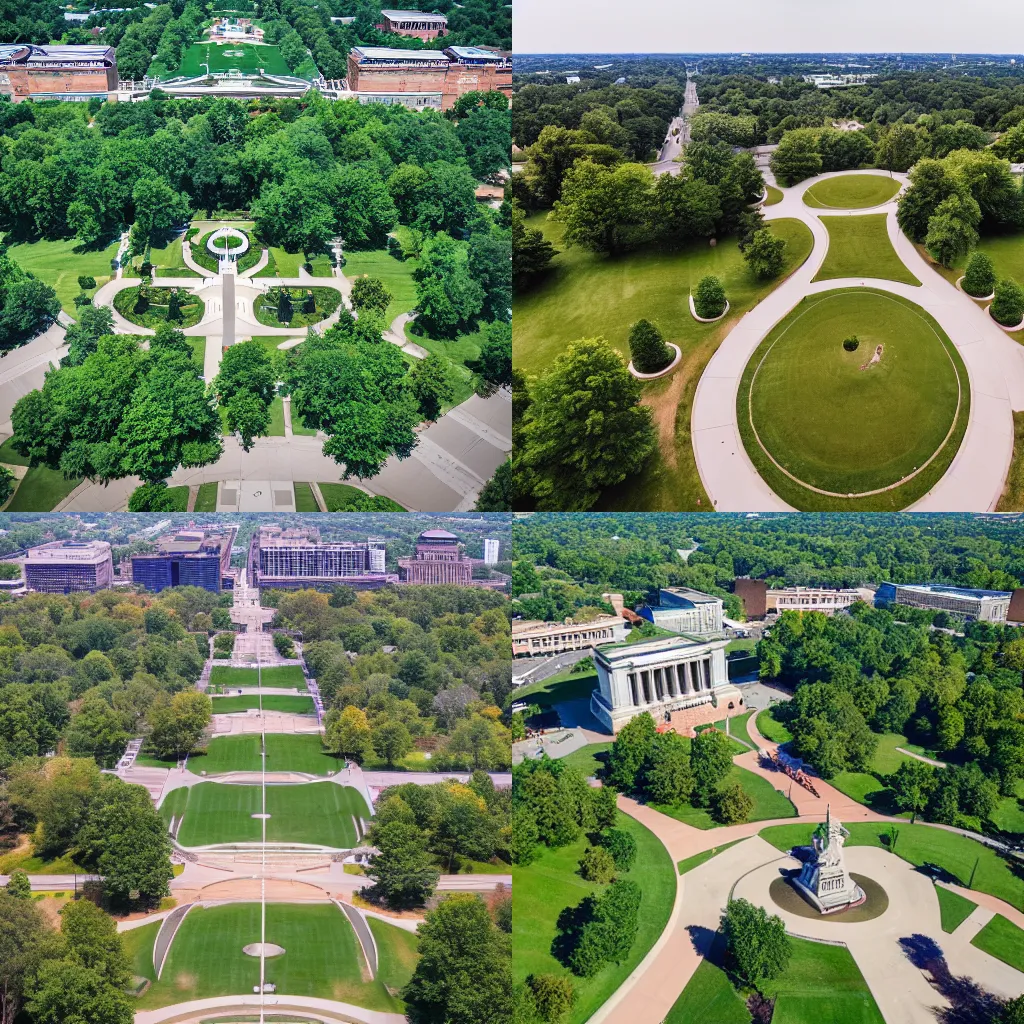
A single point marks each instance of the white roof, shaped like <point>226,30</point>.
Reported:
<point>398,15</point>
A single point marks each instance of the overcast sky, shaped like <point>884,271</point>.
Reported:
<point>779,26</point>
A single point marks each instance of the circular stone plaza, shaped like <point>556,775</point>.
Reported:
<point>227,292</point>
<point>865,381</point>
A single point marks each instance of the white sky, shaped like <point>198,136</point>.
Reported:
<point>763,26</point>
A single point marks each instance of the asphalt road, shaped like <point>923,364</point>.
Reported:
<point>678,134</point>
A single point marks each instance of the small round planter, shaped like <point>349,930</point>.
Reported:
<point>1009,330</point>
<point>707,320</point>
<point>761,198</point>
<point>660,373</point>
<point>977,298</point>
<point>240,249</point>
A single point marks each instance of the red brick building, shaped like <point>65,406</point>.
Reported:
<point>57,72</point>
<point>439,558</point>
<point>413,23</point>
<point>433,78</point>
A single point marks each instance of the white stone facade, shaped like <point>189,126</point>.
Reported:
<point>660,675</point>
<point>682,610</point>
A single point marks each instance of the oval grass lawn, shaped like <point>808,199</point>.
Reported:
<point>851,192</point>
<point>834,419</point>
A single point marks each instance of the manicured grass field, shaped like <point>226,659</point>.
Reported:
<point>276,428</point>
<point>1012,498</point>
<point>138,944</point>
<point>768,802</point>
<point>1009,813</point>
<point>923,844</point>
<point>41,489</point>
<point>335,495</point>
<point>397,953</point>
<point>26,860</point>
<point>705,855</point>
<point>954,909</point>
<point>774,195</point>
<point>325,301</point>
<point>281,676</point>
<point>709,996</point>
<point>168,259</point>
<point>851,192</point>
<point>860,247</point>
<point>585,296</point>
<point>586,759</point>
<point>206,500</point>
<point>868,787</point>
<point>543,889</point>
<point>271,702</point>
<point>396,275</point>
<point>317,812</point>
<point>1003,940</point>
<point>155,311</point>
<point>845,425</point>
<point>304,500</point>
<point>286,752</point>
<point>179,495</point>
<point>322,956</point>
<point>59,264</point>
<point>559,687</point>
<point>232,56</point>
<point>770,728</point>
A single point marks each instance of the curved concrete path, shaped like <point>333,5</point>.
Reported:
<point>995,368</point>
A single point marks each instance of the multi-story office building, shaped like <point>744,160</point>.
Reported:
<point>814,599</point>
<point>531,638</point>
<point>292,558</point>
<point>983,605</point>
<point>28,71</point>
<point>192,557</point>
<point>439,558</point>
<point>66,566</point>
<point>682,610</point>
<point>492,549</point>
<point>413,23</point>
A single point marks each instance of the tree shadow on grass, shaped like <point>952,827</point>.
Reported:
<point>570,929</point>
<point>969,1002</point>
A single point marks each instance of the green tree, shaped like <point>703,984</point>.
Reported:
<point>758,946</point>
<point>709,298</point>
<point>97,730</point>
<point>448,298</point>
<point>554,995</point>
<point>532,253</point>
<point>606,210</point>
<point>391,741</point>
<point>494,364</point>
<point>403,871</point>
<point>18,885</point>
<point>464,972</point>
<point>348,733</point>
<point>370,293</point>
<point>766,254</point>
<point>176,725</point>
<point>952,229</point>
<point>81,337</point>
<point>602,929</point>
<point>432,384</point>
<point>585,428</point>
<point>606,806</point>
<point>631,750</point>
<point>621,845</point>
<point>912,785</point>
<point>248,416</point>
<point>710,761</point>
<point>930,184</point>
<point>667,778</point>
<point>597,865</point>
<point>1008,305</point>
<point>796,158</point>
<point>730,804</point>
<point>24,941</point>
<point>899,147</point>
<point>979,277</point>
<point>67,992</point>
<point>647,348</point>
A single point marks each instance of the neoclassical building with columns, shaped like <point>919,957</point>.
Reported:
<point>661,676</point>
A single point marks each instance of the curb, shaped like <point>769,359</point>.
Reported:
<point>707,320</point>
<point>660,373</point>
<point>977,298</point>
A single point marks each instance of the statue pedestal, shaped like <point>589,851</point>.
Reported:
<point>824,880</point>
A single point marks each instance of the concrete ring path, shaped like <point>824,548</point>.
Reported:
<point>995,368</point>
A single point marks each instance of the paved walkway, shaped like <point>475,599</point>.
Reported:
<point>396,335</point>
<point>995,367</point>
<point>198,1010</point>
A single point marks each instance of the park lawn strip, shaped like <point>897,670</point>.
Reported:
<point>322,956</point>
<point>178,495</point>
<point>586,760</point>
<point>286,752</point>
<point>396,275</point>
<point>705,855</point>
<point>849,459</point>
<point>860,247</point>
<point>271,702</point>
<point>544,888</point>
<point>851,192</point>
<point>919,845</point>
<point>304,500</point>
<point>156,312</point>
<point>276,428</point>
<point>206,500</point>
<point>325,301</point>
<point>319,813</point>
<point>775,195</point>
<point>397,953</point>
<point>168,259</point>
<point>709,996</point>
<point>770,728</point>
<point>1003,940</point>
<point>954,909</point>
<point>138,946</point>
<point>255,57</point>
<point>562,686</point>
<point>60,264</point>
<point>26,860</point>
<point>281,676</point>
<point>41,490</point>
<point>769,803</point>
<point>1012,498</point>
<point>336,496</point>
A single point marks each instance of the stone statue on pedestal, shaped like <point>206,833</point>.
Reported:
<point>824,880</point>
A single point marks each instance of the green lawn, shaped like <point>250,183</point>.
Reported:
<point>138,945</point>
<point>868,787</point>
<point>585,296</point>
<point>26,860</point>
<point>770,728</point>
<point>586,759</point>
<point>738,727</point>
<point>705,855</point>
<point>1003,940</point>
<point>396,275</point>
<point>953,908</point>
<point>276,428</point>
<point>304,500</point>
<point>458,352</point>
<point>271,702</point>
<point>709,996</point>
<point>155,311</point>
<point>559,687</point>
<point>923,844</point>
<point>198,346</point>
<point>322,956</point>
<point>9,456</point>
<point>337,495</point>
<point>325,302</point>
<point>231,56</point>
<point>168,259</point>
<point>397,953</point>
<point>41,489</point>
<point>775,195</point>
<point>860,247</point>
<point>282,676</point>
<point>286,752</point>
<point>315,812</point>
<point>206,500</point>
<point>851,192</point>
<point>768,802</point>
<point>1009,813</point>
<point>836,421</point>
<point>179,495</point>
<point>1012,498</point>
<point>543,889</point>
<point>59,264</point>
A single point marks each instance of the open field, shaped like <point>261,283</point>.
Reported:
<point>396,274</point>
<point>59,264</point>
<point>1003,940</point>
<point>851,192</point>
<point>271,702</point>
<point>838,421</point>
<point>286,752</point>
<point>168,259</point>
<point>768,802</point>
<point>282,676</point>
<point>319,813</point>
<point>250,58</point>
<point>322,956</point>
<point>543,889</point>
<point>561,686</point>
<point>860,247</point>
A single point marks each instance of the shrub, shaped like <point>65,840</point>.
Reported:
<point>731,804</point>
<point>709,298</point>
<point>647,348</point>
<point>765,254</point>
<point>758,946</point>
<point>553,996</point>
<point>86,281</point>
<point>851,343</point>
<point>1008,305</point>
<point>597,865</point>
<point>81,299</point>
<point>979,277</point>
<point>621,845</point>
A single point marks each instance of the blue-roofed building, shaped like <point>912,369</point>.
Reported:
<point>980,605</point>
<point>189,558</point>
